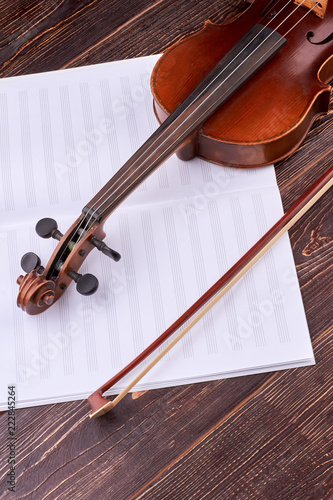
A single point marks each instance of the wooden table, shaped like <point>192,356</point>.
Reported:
<point>264,436</point>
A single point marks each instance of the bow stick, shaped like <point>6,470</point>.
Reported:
<point>100,405</point>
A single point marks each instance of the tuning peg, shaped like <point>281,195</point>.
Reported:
<point>48,228</point>
<point>102,247</point>
<point>86,284</point>
<point>31,261</point>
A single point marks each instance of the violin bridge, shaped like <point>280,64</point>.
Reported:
<point>319,8</point>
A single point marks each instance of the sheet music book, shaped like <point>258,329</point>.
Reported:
<point>62,136</point>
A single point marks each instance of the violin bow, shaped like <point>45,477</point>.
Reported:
<point>100,405</point>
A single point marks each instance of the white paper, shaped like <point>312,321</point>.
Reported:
<point>63,135</point>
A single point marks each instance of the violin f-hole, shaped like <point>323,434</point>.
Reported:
<point>311,34</point>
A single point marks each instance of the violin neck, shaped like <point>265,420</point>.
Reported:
<point>234,70</point>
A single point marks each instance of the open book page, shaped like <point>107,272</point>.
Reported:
<point>63,135</point>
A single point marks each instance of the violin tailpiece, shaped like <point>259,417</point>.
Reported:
<point>319,8</point>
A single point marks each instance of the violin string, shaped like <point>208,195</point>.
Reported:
<point>86,225</point>
<point>301,19</point>
<point>212,81</point>
<point>173,132</point>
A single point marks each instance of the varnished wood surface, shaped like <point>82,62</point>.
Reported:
<point>265,436</point>
<point>273,123</point>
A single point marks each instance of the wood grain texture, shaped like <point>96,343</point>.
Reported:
<point>231,459</point>
<point>48,35</point>
<point>263,437</point>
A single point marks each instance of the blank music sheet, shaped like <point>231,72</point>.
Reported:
<point>62,136</point>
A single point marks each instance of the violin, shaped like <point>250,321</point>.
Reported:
<point>243,94</point>
<point>268,119</point>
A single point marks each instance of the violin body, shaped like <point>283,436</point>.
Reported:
<point>269,117</point>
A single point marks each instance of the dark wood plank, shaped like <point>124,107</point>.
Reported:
<point>312,237</point>
<point>157,427</point>
<point>277,445</point>
<point>171,21</point>
<point>44,36</point>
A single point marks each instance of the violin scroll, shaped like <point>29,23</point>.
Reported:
<point>41,287</point>
<point>36,293</point>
